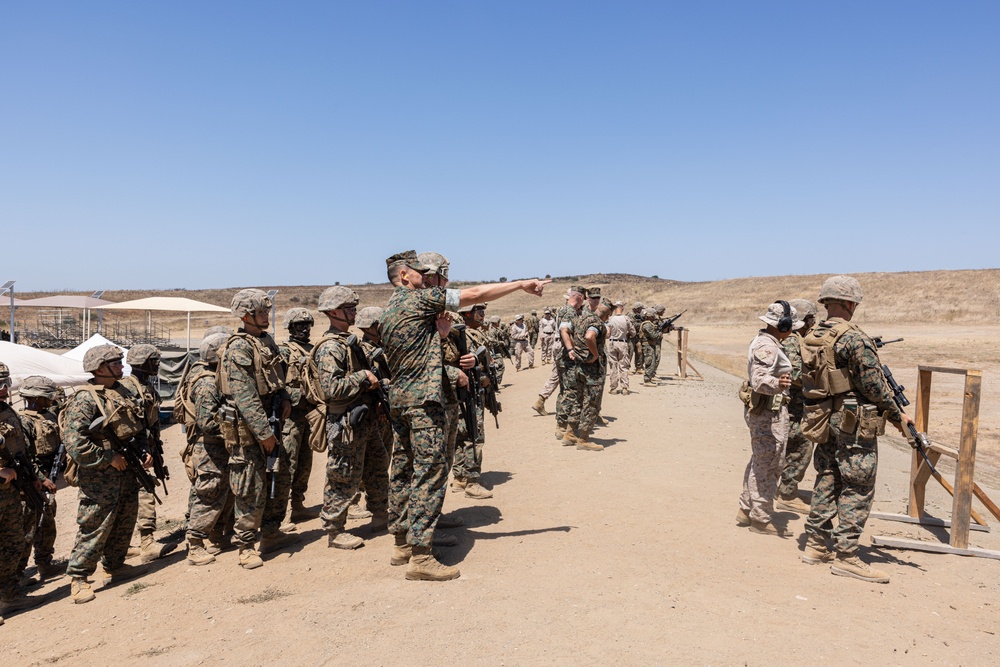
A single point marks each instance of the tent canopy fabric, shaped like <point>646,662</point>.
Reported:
<point>63,301</point>
<point>24,361</point>
<point>80,350</point>
<point>170,303</point>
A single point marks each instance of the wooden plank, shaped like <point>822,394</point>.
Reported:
<point>933,547</point>
<point>985,500</point>
<point>918,484</point>
<point>933,521</point>
<point>942,369</point>
<point>950,452</point>
<point>966,466</point>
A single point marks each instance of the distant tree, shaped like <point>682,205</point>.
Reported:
<point>656,277</point>
<point>294,299</point>
<point>548,276</point>
<point>337,283</point>
<point>503,279</point>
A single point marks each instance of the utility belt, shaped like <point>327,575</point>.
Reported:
<point>758,404</point>
<point>862,418</point>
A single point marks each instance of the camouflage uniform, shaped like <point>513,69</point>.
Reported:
<point>358,453</point>
<point>109,498</point>
<point>651,336</point>
<point>766,363</point>
<point>253,507</point>
<point>521,334</point>
<point>589,374</point>
<point>621,332</point>
<point>210,498</point>
<point>496,346</point>
<point>799,449</point>
<point>295,432</point>
<point>549,334</point>
<point>636,340</point>
<point>12,520</point>
<point>419,458</point>
<point>531,321</point>
<point>382,424</point>
<point>569,398</point>
<point>847,463</point>
<point>42,432</point>
<point>469,455</point>
<point>150,401</point>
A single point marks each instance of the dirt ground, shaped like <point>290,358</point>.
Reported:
<point>626,556</point>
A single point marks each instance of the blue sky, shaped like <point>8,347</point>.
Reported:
<point>302,143</point>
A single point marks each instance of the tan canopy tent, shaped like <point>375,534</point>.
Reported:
<point>169,303</point>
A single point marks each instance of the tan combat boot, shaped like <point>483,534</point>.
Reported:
<point>474,490</point>
<point>816,551</point>
<point>766,528</point>
<point>458,484</point>
<point>560,431</point>
<point>583,442</point>
<point>539,407</point>
<point>217,543</point>
<point>80,590</point>
<point>793,504</point>
<point>197,555</point>
<point>342,540</point>
<point>425,567</point>
<point>849,565</point>
<point>600,421</point>
<point>569,437</point>
<point>249,558</point>
<point>150,549</point>
<point>275,540</point>
<point>742,518</point>
<point>401,551</point>
<point>16,603</point>
<point>354,511</point>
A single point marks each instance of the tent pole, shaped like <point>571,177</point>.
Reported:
<point>189,331</point>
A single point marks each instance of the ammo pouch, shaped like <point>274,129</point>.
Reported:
<point>229,425</point>
<point>816,418</point>
<point>758,404</point>
<point>316,418</point>
<point>864,420</point>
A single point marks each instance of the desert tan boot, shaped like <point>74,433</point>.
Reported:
<point>150,549</point>
<point>354,511</point>
<point>816,552</point>
<point>766,528</point>
<point>250,559</point>
<point>569,437</point>
<point>560,431</point>
<point>624,391</point>
<point>343,540</point>
<point>474,490</point>
<point>424,566</point>
<point>539,406</point>
<point>583,442</point>
<point>80,590</point>
<point>197,555</point>
<point>458,484</point>
<point>849,565</point>
<point>401,551</point>
<point>792,504</point>
<point>742,518</point>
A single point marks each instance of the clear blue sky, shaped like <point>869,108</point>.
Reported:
<point>303,142</point>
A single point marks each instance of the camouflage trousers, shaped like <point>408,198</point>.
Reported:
<point>250,485</point>
<point>210,497</point>
<point>637,354</point>
<point>547,342</point>
<point>798,454</point>
<point>846,466</point>
<point>768,433</point>
<point>468,462</point>
<point>40,538</point>
<point>11,538</point>
<point>146,520</point>
<point>569,399</point>
<point>657,350</point>
<point>533,339</point>
<point>619,356</point>
<point>453,424</point>
<point>501,367</point>
<point>348,464</point>
<point>295,438</point>
<point>419,472</point>
<point>109,504</point>
<point>589,390</point>
<point>523,347</point>
<point>648,362</point>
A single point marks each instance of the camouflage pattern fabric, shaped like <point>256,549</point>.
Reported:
<point>210,497</point>
<point>452,419</point>
<point>419,472</point>
<point>149,399</point>
<point>248,483</point>
<point>237,362</point>
<point>521,337</point>
<point>768,433</point>
<point>847,464</point>
<point>569,398</point>
<point>799,449</point>
<point>532,323</point>
<point>295,431</point>
<point>41,538</point>
<point>548,334</point>
<point>650,335</point>
<point>409,336</point>
<point>11,538</point>
<point>636,341</point>
<point>589,374</point>
<point>382,424</point>
<point>468,461</point>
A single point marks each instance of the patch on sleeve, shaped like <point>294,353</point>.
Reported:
<point>764,355</point>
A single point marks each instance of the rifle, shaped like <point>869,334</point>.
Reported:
<point>24,479</point>
<point>467,395</point>
<point>879,343</point>
<point>353,418</point>
<point>381,395</point>
<point>274,419</point>
<point>490,401</point>
<point>920,442</point>
<point>668,324</point>
<point>160,470</point>
<point>130,453</point>
<point>53,474</point>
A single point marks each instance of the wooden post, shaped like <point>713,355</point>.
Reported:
<point>964,474</point>
<point>918,486</point>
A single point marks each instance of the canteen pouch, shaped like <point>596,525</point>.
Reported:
<point>316,418</point>
<point>229,421</point>
<point>816,421</point>
<point>870,424</point>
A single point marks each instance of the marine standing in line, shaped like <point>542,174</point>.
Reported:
<point>520,333</point>
<point>620,334</point>
<point>297,429</point>
<point>547,330</point>
<point>566,362</point>
<point>851,391</point>
<point>532,321</point>
<point>468,454</point>
<point>765,397</point>
<point>251,380</point>
<point>636,318</point>
<point>651,335</point>
<point>589,338</point>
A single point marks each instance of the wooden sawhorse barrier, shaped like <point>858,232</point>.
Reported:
<point>964,488</point>
<point>683,363</point>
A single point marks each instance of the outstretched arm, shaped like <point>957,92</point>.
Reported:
<point>492,291</point>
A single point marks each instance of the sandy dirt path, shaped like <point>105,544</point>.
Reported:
<point>626,556</point>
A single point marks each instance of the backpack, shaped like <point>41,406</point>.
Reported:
<point>184,412</point>
<point>823,384</point>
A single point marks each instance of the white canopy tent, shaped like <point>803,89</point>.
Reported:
<point>169,303</point>
<point>24,361</point>
<point>84,303</point>
<point>80,350</point>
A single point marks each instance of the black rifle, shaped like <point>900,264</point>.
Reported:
<point>879,343</point>
<point>353,418</point>
<point>53,474</point>
<point>160,470</point>
<point>668,324</point>
<point>920,442</point>
<point>274,419</point>
<point>25,479</point>
<point>490,401</point>
<point>131,454</point>
<point>467,395</point>
<point>381,395</point>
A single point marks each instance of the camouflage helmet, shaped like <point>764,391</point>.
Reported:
<point>495,319</point>
<point>39,386</point>
<point>248,301</point>
<point>840,288</point>
<point>5,380</point>
<point>209,348</point>
<point>434,263</point>
<point>336,297</point>
<point>804,308</point>
<point>296,315</point>
<point>368,316</point>
<point>100,354</point>
<point>637,305</point>
<point>138,355</point>
<point>519,316</point>
<point>659,308</point>
<point>217,330</point>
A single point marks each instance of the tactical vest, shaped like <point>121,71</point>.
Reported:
<point>823,384</point>
<point>188,413</point>
<point>121,411</point>
<point>147,396</point>
<point>295,374</point>
<point>46,429</point>
<point>15,440</point>
<point>268,373</point>
<point>315,392</point>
